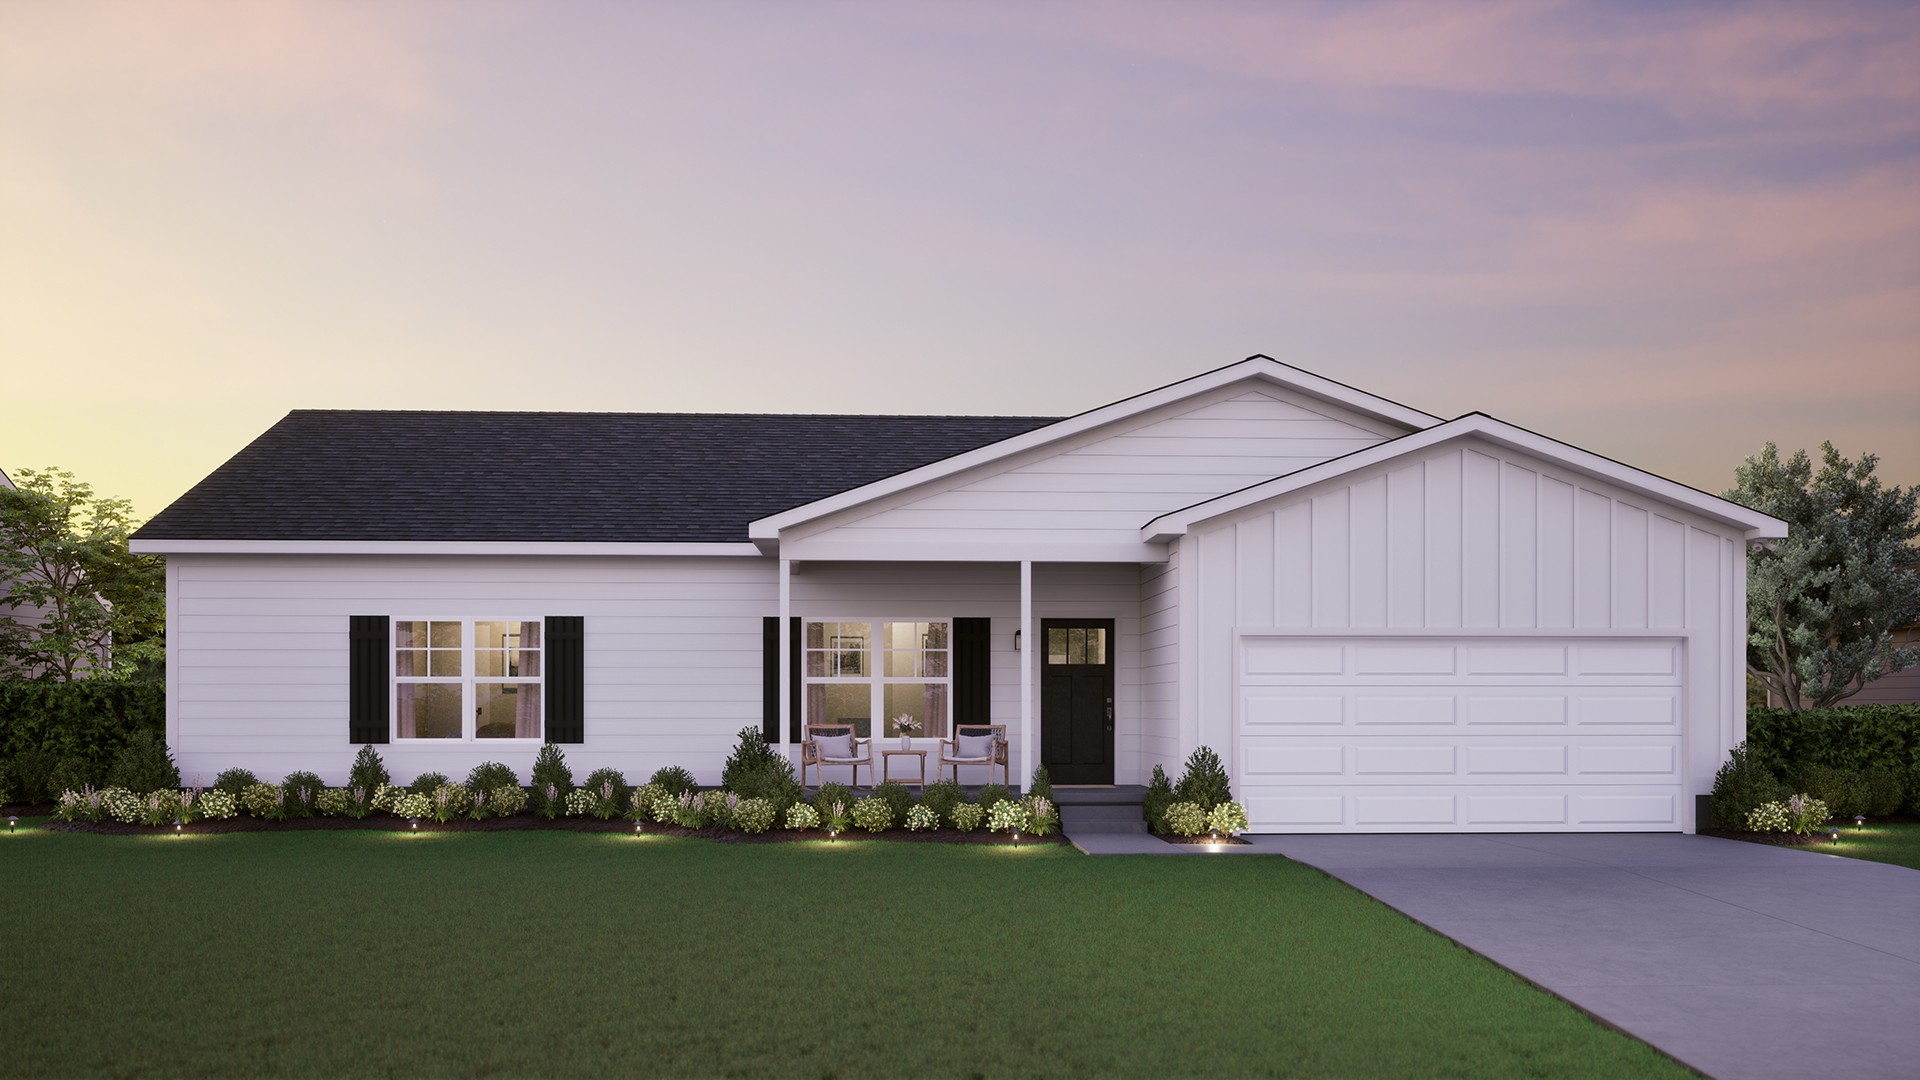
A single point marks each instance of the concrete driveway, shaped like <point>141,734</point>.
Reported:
<point>1740,960</point>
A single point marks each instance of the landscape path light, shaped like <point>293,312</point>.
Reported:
<point>1834,836</point>
<point>414,824</point>
<point>1859,821</point>
<point>11,821</point>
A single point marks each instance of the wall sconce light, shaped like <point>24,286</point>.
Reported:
<point>1016,641</point>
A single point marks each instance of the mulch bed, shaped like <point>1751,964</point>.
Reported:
<point>525,822</point>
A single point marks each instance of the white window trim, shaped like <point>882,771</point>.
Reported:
<point>468,676</point>
<point>877,680</point>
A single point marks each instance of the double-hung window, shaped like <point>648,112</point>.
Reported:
<point>467,679</point>
<point>859,669</point>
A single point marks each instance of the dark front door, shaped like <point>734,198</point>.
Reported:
<point>1076,700</point>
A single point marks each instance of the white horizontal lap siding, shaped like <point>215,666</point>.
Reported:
<point>1471,538</point>
<point>1104,485</point>
<point>258,655</point>
<point>992,591</point>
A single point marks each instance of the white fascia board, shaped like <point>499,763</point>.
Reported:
<point>429,547</point>
<point>767,530</point>
<point>1754,524</point>
<point>870,551</point>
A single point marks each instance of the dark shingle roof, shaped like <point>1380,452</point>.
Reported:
<point>531,476</point>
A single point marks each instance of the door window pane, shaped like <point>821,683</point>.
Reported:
<point>1056,646</point>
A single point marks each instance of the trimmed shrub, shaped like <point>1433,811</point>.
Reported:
<point>264,801</point>
<point>756,771</point>
<point>898,799</point>
<point>235,782</point>
<point>1042,784</point>
<point>217,805</point>
<point>1159,797</point>
<point>802,816</point>
<point>74,773</point>
<point>122,805</point>
<point>873,814</point>
<point>412,805</point>
<point>427,783</point>
<point>90,719</point>
<point>1227,819</point>
<point>672,779</point>
<point>489,775</point>
<point>303,793</point>
<point>941,797</point>
<point>1886,790</point>
<point>552,782</point>
<point>1799,815</point>
<point>1743,783</point>
<point>162,807</point>
<point>967,816</point>
<point>32,775</point>
<point>1186,819</point>
<point>990,794</point>
<point>1845,737</point>
<point>640,803</point>
<point>333,802</point>
<point>1009,817</point>
<point>449,802</point>
<point>507,800</point>
<point>1205,781</point>
<point>922,818</point>
<point>1844,791</point>
<point>829,794</point>
<point>754,815</point>
<point>368,770</point>
<point>610,791</point>
<point>144,764</point>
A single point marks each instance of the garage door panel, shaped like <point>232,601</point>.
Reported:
<point>1460,734</point>
<point>1390,759</point>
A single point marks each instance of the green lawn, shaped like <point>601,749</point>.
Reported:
<point>512,954</point>
<point>1896,842</point>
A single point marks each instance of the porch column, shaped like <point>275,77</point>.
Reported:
<point>1025,656</point>
<point>786,654</point>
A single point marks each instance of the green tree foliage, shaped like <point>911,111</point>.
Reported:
<point>1822,603</point>
<point>63,550</point>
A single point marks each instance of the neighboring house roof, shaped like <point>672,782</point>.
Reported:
<point>333,474</point>
<point>1756,525</point>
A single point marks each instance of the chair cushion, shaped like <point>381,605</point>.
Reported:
<point>974,747</point>
<point>834,747</point>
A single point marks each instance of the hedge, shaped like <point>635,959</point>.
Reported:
<point>1846,737</point>
<point>89,719</point>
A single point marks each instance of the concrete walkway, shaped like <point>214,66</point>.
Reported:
<point>1745,962</point>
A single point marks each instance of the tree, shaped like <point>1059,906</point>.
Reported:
<point>1822,603</point>
<point>63,551</point>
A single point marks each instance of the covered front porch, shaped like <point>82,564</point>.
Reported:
<point>1075,660</point>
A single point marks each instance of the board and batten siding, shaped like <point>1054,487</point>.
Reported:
<point>1469,538</point>
<point>1103,485</point>
<point>909,590</point>
<point>258,656</point>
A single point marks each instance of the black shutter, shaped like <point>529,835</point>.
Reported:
<point>972,672</point>
<point>566,679</point>
<point>770,680</point>
<point>367,680</point>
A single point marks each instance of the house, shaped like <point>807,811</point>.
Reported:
<point>1383,621</point>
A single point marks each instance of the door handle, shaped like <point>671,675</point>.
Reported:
<point>1109,714</point>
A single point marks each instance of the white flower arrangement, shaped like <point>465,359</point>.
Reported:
<point>1042,817</point>
<point>122,805</point>
<point>905,724</point>
<point>920,818</point>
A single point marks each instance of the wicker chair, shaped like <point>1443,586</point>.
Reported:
<point>950,751</point>
<point>810,753</point>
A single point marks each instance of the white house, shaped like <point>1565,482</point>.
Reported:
<point>1382,621</point>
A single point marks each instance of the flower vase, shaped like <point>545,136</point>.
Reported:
<point>906,742</point>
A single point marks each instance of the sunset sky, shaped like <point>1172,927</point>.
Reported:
<point>1665,233</point>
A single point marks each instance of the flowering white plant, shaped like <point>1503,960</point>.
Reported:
<point>905,724</point>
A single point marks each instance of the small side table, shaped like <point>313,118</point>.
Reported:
<point>885,764</point>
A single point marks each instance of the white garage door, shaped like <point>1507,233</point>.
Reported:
<point>1459,734</point>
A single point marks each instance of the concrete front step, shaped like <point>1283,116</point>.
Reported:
<point>1102,817</point>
